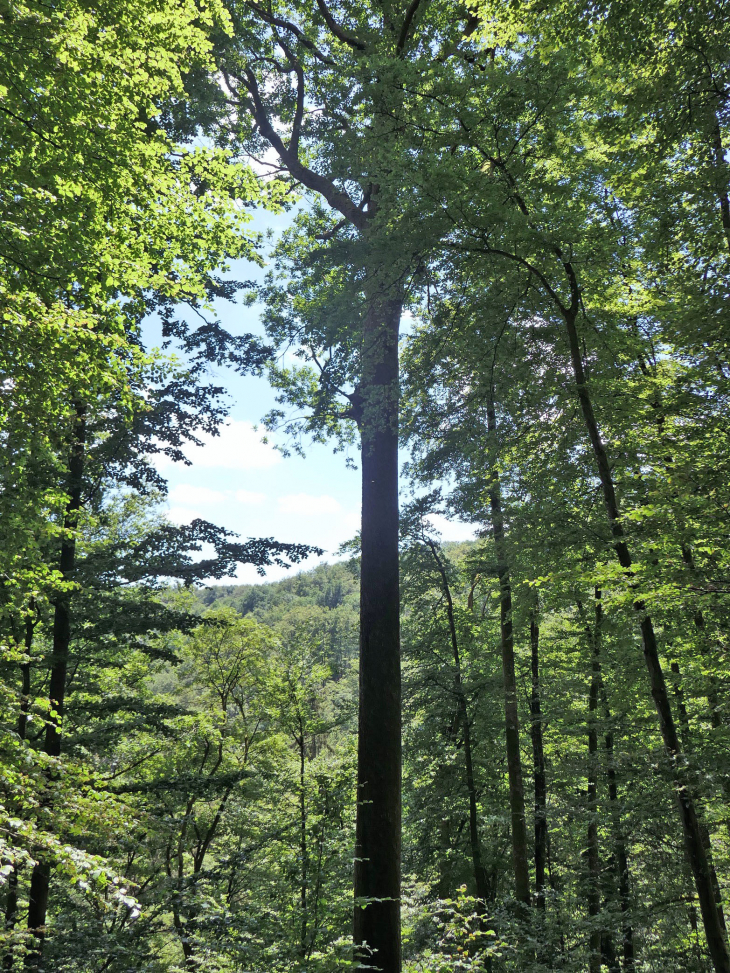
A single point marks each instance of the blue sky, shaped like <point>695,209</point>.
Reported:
<point>240,483</point>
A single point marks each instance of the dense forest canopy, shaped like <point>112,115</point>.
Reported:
<point>502,293</point>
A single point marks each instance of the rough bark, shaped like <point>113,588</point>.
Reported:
<point>40,878</point>
<point>512,726</point>
<point>701,867</point>
<point>378,825</point>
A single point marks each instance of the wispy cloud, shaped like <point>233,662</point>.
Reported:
<point>183,515</point>
<point>237,447</point>
<point>451,530</point>
<point>250,496</point>
<point>185,493</point>
<point>307,505</point>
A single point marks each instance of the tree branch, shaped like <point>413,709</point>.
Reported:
<point>293,29</point>
<point>407,21</point>
<point>312,180</point>
<point>342,35</point>
<point>296,129</point>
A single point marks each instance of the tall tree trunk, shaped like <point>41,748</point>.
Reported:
<point>593,852</point>
<point>721,176</point>
<point>11,901</point>
<point>303,877</point>
<point>480,873</point>
<point>620,855</point>
<point>702,870</point>
<point>511,719</point>
<point>619,841</point>
<point>713,693</point>
<point>686,734</point>
<point>40,878</point>
<point>378,825</point>
<point>538,762</point>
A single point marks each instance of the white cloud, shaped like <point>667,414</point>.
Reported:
<point>237,447</point>
<point>183,515</point>
<point>451,530</point>
<point>303,503</point>
<point>186,493</point>
<point>352,521</point>
<point>249,496</point>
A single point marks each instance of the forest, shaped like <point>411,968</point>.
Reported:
<point>498,288</point>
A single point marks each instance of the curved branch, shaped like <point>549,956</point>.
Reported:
<point>342,35</point>
<point>312,180</point>
<point>407,21</point>
<point>515,258</point>
<point>293,29</point>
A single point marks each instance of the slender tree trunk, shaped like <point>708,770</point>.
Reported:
<point>40,878</point>
<point>378,825</point>
<point>686,734</point>
<point>608,953</point>
<point>594,863</point>
<point>302,844</point>
<point>619,841</point>
<point>721,173</point>
<point>480,874</point>
<point>183,937</point>
<point>11,901</point>
<point>511,718</point>
<point>538,762</point>
<point>11,914</point>
<point>713,694</point>
<point>701,868</point>
<point>601,937</point>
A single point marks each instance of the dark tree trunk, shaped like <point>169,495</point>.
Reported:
<point>619,841</point>
<point>608,953</point>
<point>40,878</point>
<point>378,826</point>
<point>593,852</point>
<point>702,870</point>
<point>11,914</point>
<point>686,734</point>
<point>303,876</point>
<point>512,726</point>
<point>713,693</point>
<point>721,175</point>
<point>481,879</point>
<point>601,937</point>
<point>11,901</point>
<point>538,762</point>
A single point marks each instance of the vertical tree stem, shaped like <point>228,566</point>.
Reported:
<point>378,825</point>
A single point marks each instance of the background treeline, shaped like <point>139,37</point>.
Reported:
<point>216,769</point>
<point>544,189</point>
